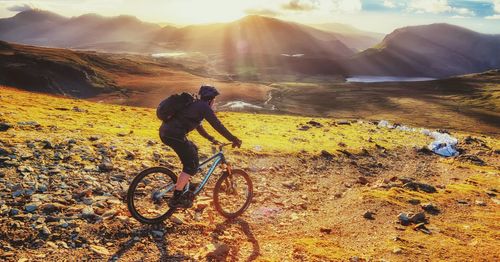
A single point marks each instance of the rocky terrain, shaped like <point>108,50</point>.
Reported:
<point>325,189</point>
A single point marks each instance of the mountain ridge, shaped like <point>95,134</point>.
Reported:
<point>429,50</point>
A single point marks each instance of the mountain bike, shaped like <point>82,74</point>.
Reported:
<point>150,190</point>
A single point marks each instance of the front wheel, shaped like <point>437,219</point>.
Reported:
<point>148,195</point>
<point>233,193</point>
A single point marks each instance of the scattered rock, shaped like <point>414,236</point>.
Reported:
<point>31,207</point>
<point>472,159</point>
<point>88,212</point>
<point>77,109</point>
<point>290,185</point>
<point>29,123</point>
<point>47,145</point>
<point>397,250</point>
<point>462,201</point>
<point>430,208</point>
<point>480,203</point>
<point>99,250</point>
<point>25,169</point>
<point>421,227</point>
<point>314,123</point>
<point>4,127</point>
<point>129,155</point>
<point>491,193</point>
<point>157,233</point>
<point>418,218</point>
<point>345,152</point>
<point>404,219</point>
<point>343,122</point>
<point>109,214</point>
<point>176,220</point>
<point>304,128</point>
<point>424,150</point>
<point>325,230</point>
<point>106,165</point>
<point>414,201</point>
<point>52,207</point>
<point>46,231</point>
<point>416,186</point>
<point>362,180</point>
<point>369,215</point>
<point>326,154</point>
<point>94,138</point>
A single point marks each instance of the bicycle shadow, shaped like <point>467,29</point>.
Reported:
<point>158,235</point>
<point>245,228</point>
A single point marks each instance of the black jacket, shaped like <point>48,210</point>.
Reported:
<point>190,118</point>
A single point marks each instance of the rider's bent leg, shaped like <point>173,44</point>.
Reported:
<point>188,154</point>
<point>182,181</point>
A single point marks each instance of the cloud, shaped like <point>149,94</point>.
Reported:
<point>430,6</point>
<point>463,11</point>
<point>439,6</point>
<point>389,3</point>
<point>496,6</point>
<point>493,17</point>
<point>262,11</point>
<point>347,6</point>
<point>20,8</point>
<point>296,5</point>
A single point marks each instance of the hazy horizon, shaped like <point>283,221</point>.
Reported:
<point>481,16</point>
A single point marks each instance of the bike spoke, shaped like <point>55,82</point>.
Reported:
<point>152,195</point>
<point>233,194</point>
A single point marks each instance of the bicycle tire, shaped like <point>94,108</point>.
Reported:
<point>131,191</point>
<point>217,190</point>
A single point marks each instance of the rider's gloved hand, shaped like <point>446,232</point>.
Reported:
<point>237,143</point>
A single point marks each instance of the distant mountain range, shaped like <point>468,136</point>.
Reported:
<point>251,34</point>
<point>263,44</point>
<point>434,50</point>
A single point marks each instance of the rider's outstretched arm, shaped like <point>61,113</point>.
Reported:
<point>204,133</point>
<point>217,125</point>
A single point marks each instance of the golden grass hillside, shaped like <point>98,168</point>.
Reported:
<point>261,133</point>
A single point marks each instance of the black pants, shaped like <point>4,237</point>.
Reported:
<point>187,152</point>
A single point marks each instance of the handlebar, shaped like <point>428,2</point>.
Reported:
<point>224,145</point>
<point>219,146</point>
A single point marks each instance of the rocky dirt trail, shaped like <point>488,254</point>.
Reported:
<point>62,198</point>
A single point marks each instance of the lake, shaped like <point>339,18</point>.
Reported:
<point>171,54</point>
<point>380,79</point>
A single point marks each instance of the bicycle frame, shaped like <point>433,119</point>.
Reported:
<point>218,159</point>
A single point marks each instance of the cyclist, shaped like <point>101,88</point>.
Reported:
<point>173,133</point>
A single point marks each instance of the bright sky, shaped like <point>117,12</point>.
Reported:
<point>372,15</point>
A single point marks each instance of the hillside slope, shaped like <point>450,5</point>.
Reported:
<point>436,50</point>
<point>56,202</point>
<point>124,79</point>
<point>54,70</point>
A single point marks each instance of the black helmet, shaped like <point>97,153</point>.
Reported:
<point>208,91</point>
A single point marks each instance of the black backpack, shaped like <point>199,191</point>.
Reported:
<point>172,105</point>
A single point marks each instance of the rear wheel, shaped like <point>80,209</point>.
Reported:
<point>148,195</point>
<point>233,193</point>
